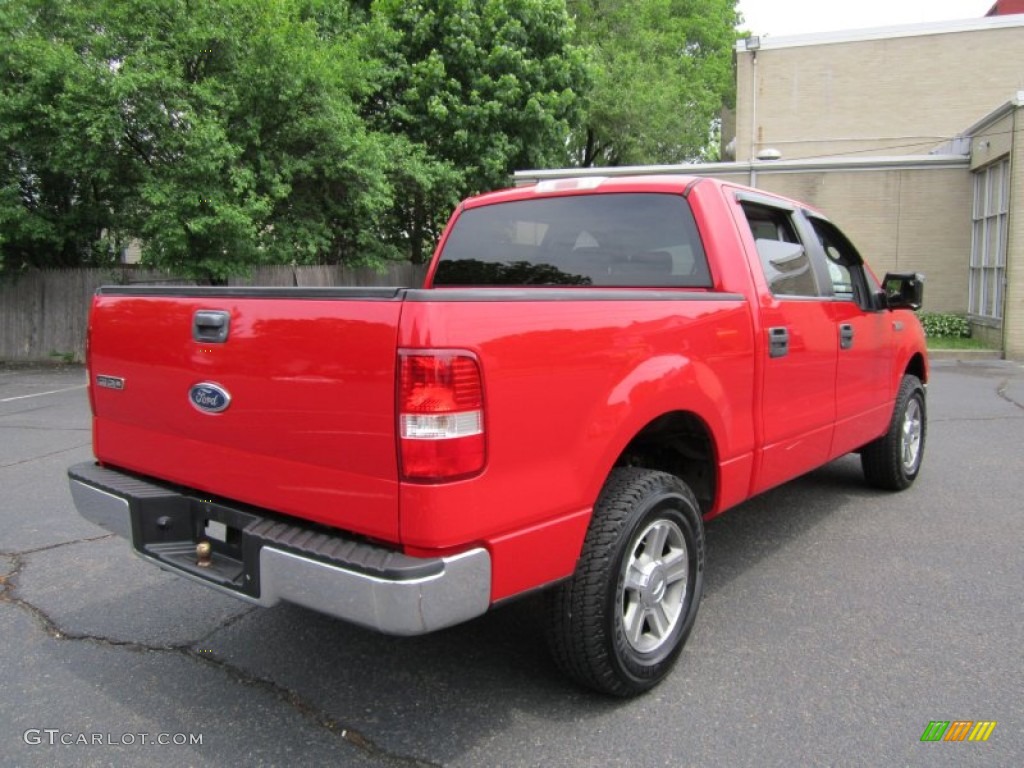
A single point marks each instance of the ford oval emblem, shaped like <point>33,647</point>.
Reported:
<point>209,397</point>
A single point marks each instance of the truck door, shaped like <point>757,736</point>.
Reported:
<point>864,337</point>
<point>799,346</point>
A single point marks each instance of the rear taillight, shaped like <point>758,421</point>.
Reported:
<point>440,415</point>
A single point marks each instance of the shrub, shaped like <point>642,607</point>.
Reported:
<point>945,325</point>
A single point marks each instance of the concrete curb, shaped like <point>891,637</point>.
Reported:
<point>965,355</point>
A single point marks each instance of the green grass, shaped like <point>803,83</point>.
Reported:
<point>63,357</point>
<point>950,342</point>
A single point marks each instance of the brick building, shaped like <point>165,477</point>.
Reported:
<point>872,107</point>
<point>911,138</point>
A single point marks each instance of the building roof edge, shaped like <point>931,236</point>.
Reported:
<point>996,114</point>
<point>769,42</point>
<point>838,163</point>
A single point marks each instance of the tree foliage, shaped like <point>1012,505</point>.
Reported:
<point>225,133</point>
<point>484,86</point>
<point>219,134</point>
<point>251,146</point>
<point>661,71</point>
<point>58,180</point>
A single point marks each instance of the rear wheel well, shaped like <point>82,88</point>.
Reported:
<point>681,444</point>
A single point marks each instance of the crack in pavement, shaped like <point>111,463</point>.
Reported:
<point>1001,391</point>
<point>45,455</point>
<point>58,545</point>
<point>22,411</point>
<point>952,419</point>
<point>307,710</point>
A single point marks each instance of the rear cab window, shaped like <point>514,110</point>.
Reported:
<point>609,239</point>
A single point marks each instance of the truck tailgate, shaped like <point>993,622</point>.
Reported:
<point>293,410</point>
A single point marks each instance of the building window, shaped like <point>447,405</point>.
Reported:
<point>988,242</point>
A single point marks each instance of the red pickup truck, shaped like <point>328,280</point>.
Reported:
<point>592,369</point>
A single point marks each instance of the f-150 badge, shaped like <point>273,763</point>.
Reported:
<point>209,397</point>
<point>109,382</point>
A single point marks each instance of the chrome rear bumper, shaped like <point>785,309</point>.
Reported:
<point>266,560</point>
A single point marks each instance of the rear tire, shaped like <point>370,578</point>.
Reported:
<point>893,461</point>
<point>619,624</point>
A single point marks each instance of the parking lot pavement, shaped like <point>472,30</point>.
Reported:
<point>43,429</point>
<point>838,623</point>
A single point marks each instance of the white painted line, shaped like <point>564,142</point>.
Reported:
<point>41,394</point>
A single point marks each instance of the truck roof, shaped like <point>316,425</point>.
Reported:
<point>591,184</point>
<point>658,183</point>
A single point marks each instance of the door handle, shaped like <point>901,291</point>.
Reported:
<point>211,326</point>
<point>778,341</point>
<point>845,336</point>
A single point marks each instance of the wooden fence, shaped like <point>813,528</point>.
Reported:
<point>43,314</point>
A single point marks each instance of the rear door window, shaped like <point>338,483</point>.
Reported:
<point>784,259</point>
<point>617,240</point>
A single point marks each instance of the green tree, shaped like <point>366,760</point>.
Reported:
<point>479,88</point>
<point>219,133</point>
<point>661,69</point>
<point>60,183</point>
<point>245,117</point>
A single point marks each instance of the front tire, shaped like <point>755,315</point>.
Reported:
<point>893,461</point>
<point>619,624</point>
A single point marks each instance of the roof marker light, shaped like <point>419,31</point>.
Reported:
<point>565,185</point>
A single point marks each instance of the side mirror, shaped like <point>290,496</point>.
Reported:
<point>904,290</point>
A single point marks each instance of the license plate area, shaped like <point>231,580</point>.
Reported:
<point>171,531</point>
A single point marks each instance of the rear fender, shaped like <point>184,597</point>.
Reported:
<point>677,384</point>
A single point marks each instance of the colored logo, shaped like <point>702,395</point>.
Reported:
<point>958,730</point>
<point>209,397</point>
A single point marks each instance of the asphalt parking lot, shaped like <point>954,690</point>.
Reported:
<point>838,622</point>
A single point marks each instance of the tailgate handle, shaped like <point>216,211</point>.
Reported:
<point>210,326</point>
